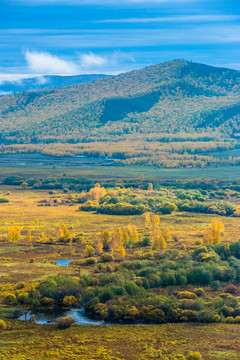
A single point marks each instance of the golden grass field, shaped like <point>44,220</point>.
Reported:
<point>23,210</point>
<point>166,342</point>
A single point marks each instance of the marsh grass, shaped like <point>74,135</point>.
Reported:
<point>30,341</point>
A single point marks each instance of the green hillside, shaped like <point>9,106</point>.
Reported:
<point>173,102</point>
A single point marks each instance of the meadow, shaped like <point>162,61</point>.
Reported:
<point>170,341</point>
<point>36,165</point>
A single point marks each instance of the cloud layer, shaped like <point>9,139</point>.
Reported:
<point>100,3</point>
<point>48,64</point>
<point>44,63</point>
<point>174,19</point>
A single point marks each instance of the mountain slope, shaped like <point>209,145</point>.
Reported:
<point>176,97</point>
<point>46,82</point>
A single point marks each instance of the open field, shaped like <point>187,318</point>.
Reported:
<point>23,209</point>
<point>171,341</point>
<point>35,165</point>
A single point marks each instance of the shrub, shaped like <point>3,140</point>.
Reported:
<point>122,209</point>
<point>206,316</point>
<point>229,320</point>
<point>4,200</point>
<point>70,301</point>
<point>148,255</point>
<point>225,296</point>
<point>91,261</point>
<point>186,295</point>
<point>89,251</point>
<point>109,268</point>
<point>231,289</point>
<point>3,325</point>
<point>89,206</point>
<point>227,310</point>
<point>193,356</point>
<point>146,241</point>
<point>198,242</point>
<point>47,301</point>
<point>199,275</point>
<point>199,291</point>
<point>10,299</point>
<point>22,299</point>
<point>167,208</point>
<point>131,313</point>
<point>20,286</point>
<point>191,315</point>
<point>215,285</point>
<point>107,258</point>
<point>64,322</point>
<point>138,255</point>
<point>237,320</point>
<point>106,295</point>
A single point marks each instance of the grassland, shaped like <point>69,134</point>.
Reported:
<point>23,210</point>
<point>171,341</point>
<point>28,165</point>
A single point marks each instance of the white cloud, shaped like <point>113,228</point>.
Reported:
<point>174,19</point>
<point>4,93</point>
<point>92,60</point>
<point>41,80</point>
<point>45,63</point>
<point>114,59</point>
<point>4,77</point>
<point>39,64</point>
<point>101,3</point>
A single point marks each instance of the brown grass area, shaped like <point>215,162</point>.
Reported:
<point>214,342</point>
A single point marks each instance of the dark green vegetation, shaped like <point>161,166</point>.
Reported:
<point>167,115</point>
<point>131,197</point>
<point>158,289</point>
<point>46,82</point>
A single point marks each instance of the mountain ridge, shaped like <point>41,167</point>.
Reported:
<point>45,82</point>
<point>176,98</point>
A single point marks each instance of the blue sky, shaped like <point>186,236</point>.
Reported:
<point>39,37</point>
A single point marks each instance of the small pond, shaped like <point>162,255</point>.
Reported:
<point>45,317</point>
<point>63,262</point>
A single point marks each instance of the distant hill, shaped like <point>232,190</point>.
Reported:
<point>170,103</point>
<point>46,82</point>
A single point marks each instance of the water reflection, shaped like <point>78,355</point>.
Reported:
<point>47,317</point>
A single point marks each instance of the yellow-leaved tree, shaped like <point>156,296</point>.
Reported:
<point>98,247</point>
<point>29,236</point>
<point>106,239</point>
<point>147,219</point>
<point>14,233</point>
<point>213,235</point>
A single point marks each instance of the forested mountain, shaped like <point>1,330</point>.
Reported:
<point>45,82</point>
<point>171,103</point>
